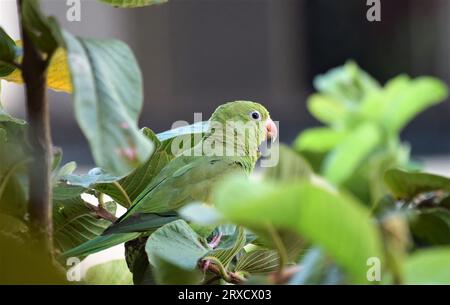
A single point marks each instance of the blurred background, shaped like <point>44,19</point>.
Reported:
<point>197,54</point>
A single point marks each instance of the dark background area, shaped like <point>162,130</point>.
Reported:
<point>198,54</point>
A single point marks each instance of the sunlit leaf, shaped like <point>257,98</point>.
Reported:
<point>348,154</point>
<point>107,85</point>
<point>335,222</point>
<point>430,266</point>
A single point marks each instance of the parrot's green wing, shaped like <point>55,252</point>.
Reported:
<point>185,179</point>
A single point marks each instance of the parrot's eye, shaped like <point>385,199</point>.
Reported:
<point>255,115</point>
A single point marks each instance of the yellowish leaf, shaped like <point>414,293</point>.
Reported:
<point>58,74</point>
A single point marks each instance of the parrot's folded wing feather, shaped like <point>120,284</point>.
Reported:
<point>141,223</point>
<point>182,181</point>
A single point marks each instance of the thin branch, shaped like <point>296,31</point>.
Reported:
<point>101,212</point>
<point>39,170</point>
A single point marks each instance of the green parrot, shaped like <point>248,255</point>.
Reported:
<point>230,146</point>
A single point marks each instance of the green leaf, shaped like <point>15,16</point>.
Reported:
<point>335,222</point>
<point>431,266</point>
<point>326,109</point>
<point>420,94</point>
<point>114,272</point>
<point>132,3</point>
<point>107,86</point>
<point>258,261</point>
<point>73,219</point>
<point>342,162</point>
<point>174,250</point>
<point>7,54</point>
<point>229,246</point>
<point>291,166</point>
<point>348,83</point>
<point>377,104</point>
<point>320,139</point>
<point>178,244</point>
<point>407,185</point>
<point>432,225</point>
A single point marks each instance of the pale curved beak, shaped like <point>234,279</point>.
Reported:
<point>271,130</point>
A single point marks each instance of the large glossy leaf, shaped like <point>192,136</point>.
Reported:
<point>174,251</point>
<point>114,272</point>
<point>73,219</point>
<point>407,185</point>
<point>132,3</point>
<point>342,162</point>
<point>107,86</point>
<point>337,223</point>
<point>178,244</point>
<point>430,266</point>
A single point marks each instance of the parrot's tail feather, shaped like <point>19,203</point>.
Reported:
<point>99,243</point>
<point>141,223</point>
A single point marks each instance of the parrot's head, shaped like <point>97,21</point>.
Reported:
<point>249,122</point>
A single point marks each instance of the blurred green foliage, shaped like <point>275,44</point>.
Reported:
<point>363,121</point>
